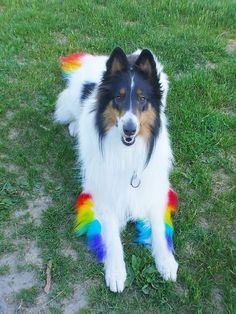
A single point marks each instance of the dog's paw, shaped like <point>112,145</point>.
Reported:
<point>73,128</point>
<point>167,267</point>
<point>115,276</point>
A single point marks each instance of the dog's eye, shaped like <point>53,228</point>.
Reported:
<point>143,102</point>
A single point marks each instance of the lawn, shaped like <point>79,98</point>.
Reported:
<point>196,42</point>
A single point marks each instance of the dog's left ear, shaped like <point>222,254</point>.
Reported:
<point>117,61</point>
<point>146,63</point>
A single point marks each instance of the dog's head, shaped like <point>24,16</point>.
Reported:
<point>130,98</point>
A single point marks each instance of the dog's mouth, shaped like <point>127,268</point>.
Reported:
<point>128,140</point>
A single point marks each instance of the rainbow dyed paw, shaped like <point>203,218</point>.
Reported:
<point>144,231</point>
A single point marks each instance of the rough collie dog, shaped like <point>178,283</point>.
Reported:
<point>115,106</point>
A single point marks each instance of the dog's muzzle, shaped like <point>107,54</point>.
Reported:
<point>129,132</point>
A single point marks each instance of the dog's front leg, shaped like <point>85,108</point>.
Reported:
<point>115,272</point>
<point>164,258</point>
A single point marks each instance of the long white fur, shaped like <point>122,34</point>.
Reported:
<point>107,176</point>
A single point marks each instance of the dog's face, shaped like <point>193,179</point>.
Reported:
<point>129,98</point>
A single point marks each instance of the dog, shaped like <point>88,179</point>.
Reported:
<point>115,107</point>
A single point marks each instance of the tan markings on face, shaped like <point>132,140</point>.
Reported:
<point>122,92</point>
<point>147,120</point>
<point>139,92</point>
<point>110,116</point>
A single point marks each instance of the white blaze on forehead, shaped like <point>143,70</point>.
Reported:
<point>131,90</point>
<point>132,82</point>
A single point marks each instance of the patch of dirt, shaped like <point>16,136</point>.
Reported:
<point>229,112</point>
<point>13,133</point>
<point>181,290</point>
<point>13,168</point>
<point>38,205</point>
<point>203,223</point>
<point>210,65</point>
<point>10,260</point>
<point>231,46</point>
<point>32,255</point>
<point>20,276</point>
<point>23,104</point>
<point>130,23</point>
<point>189,249</point>
<point>21,61</point>
<point>67,250</point>
<point>60,38</point>
<point>40,307</point>
<point>179,75</point>
<point>232,160</point>
<point>221,182</point>
<point>20,213</point>
<point>217,300</point>
<point>207,65</point>
<point>16,281</point>
<point>21,264</point>
<point>5,163</point>
<point>3,123</point>
<point>10,284</point>
<point>78,300</point>
<point>9,114</point>
<point>70,252</point>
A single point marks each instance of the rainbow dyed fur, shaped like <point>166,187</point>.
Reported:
<point>144,229</point>
<point>71,63</point>
<point>86,223</point>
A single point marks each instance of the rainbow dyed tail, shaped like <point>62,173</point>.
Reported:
<point>144,229</point>
<point>86,223</point>
<point>71,63</point>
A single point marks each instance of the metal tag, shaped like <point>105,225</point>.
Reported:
<point>135,181</point>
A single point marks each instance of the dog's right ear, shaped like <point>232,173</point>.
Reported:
<point>146,63</point>
<point>117,61</point>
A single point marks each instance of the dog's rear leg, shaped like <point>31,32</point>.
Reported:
<point>67,110</point>
<point>115,272</point>
<point>164,258</point>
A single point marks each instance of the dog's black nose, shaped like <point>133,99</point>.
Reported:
<point>129,128</point>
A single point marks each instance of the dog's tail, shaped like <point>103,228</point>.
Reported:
<point>71,63</point>
<point>67,108</point>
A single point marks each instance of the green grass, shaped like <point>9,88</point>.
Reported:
<point>4,269</point>
<point>37,156</point>
<point>28,296</point>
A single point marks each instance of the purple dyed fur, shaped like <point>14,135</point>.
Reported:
<point>96,245</point>
<point>170,242</point>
